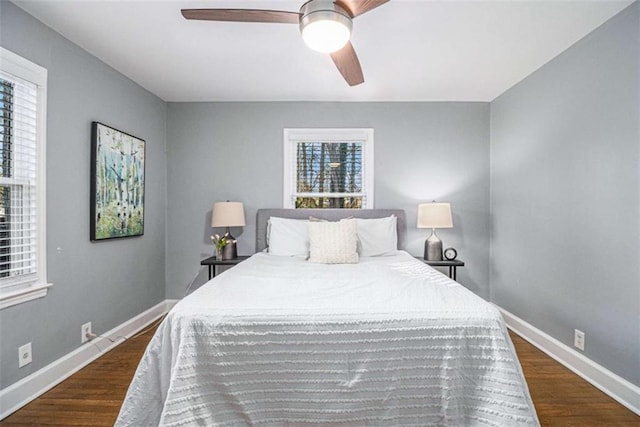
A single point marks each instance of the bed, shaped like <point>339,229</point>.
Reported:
<point>281,341</point>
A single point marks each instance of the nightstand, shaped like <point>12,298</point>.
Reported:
<point>452,264</point>
<point>212,262</point>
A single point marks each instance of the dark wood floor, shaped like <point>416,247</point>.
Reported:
<point>92,397</point>
<point>562,398</point>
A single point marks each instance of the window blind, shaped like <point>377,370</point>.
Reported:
<point>328,168</point>
<point>329,175</point>
<point>18,180</point>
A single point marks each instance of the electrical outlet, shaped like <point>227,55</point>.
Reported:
<point>86,332</point>
<point>24,355</point>
<point>578,339</point>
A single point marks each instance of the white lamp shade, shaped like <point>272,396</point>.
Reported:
<point>227,214</point>
<point>434,215</point>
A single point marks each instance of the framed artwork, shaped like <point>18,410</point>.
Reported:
<point>117,183</point>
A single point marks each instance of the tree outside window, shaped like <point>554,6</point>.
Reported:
<point>328,168</point>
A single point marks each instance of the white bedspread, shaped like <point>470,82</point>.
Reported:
<point>280,341</point>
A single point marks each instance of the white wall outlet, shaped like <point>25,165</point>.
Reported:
<point>86,332</point>
<point>24,355</point>
<point>578,339</point>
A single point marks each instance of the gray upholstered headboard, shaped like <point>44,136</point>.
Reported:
<point>329,214</point>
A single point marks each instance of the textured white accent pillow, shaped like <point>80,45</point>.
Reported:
<point>377,236</point>
<point>288,237</point>
<point>333,242</point>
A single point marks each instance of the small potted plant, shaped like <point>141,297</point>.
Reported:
<point>219,242</point>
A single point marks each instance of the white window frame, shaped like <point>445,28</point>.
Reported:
<point>37,288</point>
<point>292,136</point>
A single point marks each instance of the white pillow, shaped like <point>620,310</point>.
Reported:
<point>377,236</point>
<point>333,242</point>
<point>288,237</point>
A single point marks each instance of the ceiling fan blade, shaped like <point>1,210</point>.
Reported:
<point>242,15</point>
<point>348,64</point>
<point>358,7</point>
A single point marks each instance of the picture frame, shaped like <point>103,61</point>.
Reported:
<point>117,183</point>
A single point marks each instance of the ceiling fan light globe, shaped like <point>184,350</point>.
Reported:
<point>326,35</point>
<point>325,26</point>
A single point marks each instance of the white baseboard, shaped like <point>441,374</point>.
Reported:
<point>618,388</point>
<point>24,391</point>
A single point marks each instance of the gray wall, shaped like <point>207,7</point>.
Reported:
<point>423,151</point>
<point>565,196</point>
<point>108,282</point>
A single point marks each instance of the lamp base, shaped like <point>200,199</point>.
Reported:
<point>433,247</point>
<point>230,250</point>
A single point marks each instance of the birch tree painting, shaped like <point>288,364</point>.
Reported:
<point>117,184</point>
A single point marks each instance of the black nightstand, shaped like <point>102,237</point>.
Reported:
<point>452,264</point>
<point>212,262</point>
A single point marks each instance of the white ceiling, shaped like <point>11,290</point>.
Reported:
<point>410,50</point>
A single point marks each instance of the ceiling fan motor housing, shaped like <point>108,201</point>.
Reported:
<point>325,12</point>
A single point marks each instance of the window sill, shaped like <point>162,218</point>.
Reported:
<point>18,296</point>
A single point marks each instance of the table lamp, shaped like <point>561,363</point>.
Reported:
<point>228,214</point>
<point>434,215</point>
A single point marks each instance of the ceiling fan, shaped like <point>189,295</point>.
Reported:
<point>325,26</point>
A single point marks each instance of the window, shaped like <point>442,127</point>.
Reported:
<point>328,168</point>
<point>22,173</point>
